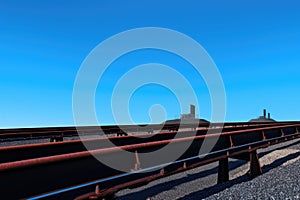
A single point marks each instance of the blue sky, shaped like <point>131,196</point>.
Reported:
<point>255,45</point>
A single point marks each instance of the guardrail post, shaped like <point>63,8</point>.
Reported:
<point>97,190</point>
<point>223,171</point>
<point>255,169</point>
<point>137,165</point>
<point>263,135</point>
<point>184,165</point>
<point>230,141</point>
<point>282,132</point>
<point>162,171</point>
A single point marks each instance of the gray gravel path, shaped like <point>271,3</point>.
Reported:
<point>280,179</point>
<point>282,182</point>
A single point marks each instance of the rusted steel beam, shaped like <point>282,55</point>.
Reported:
<point>255,170</point>
<point>113,190</point>
<point>30,151</point>
<point>33,133</point>
<point>188,138</point>
<point>61,171</point>
<point>160,174</point>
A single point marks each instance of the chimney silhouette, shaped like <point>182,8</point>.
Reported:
<point>269,116</point>
<point>265,113</point>
<point>192,110</point>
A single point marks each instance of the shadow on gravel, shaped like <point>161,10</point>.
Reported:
<point>156,189</point>
<point>215,189</point>
<point>279,162</point>
<point>204,193</point>
<point>218,188</point>
<point>279,148</point>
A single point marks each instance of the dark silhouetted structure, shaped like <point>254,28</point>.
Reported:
<point>263,118</point>
<point>188,118</point>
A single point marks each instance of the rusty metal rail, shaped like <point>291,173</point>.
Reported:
<point>74,174</point>
<point>23,152</point>
<point>61,132</point>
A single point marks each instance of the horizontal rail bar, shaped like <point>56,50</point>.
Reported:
<point>41,133</point>
<point>158,167</point>
<point>72,169</point>
<point>32,162</point>
<point>22,152</point>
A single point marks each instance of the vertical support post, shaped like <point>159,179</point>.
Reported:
<point>223,171</point>
<point>230,141</point>
<point>162,171</point>
<point>282,132</point>
<point>263,135</point>
<point>97,190</point>
<point>184,165</point>
<point>255,169</point>
<point>137,165</point>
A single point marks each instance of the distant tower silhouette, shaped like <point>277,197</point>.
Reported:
<point>192,111</point>
<point>191,115</point>
<point>263,118</point>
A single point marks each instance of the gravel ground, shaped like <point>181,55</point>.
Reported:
<point>280,179</point>
<point>282,182</point>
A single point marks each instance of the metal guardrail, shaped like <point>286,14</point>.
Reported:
<point>83,172</point>
<point>22,152</point>
<point>52,132</point>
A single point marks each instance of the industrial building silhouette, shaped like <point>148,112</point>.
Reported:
<point>263,118</point>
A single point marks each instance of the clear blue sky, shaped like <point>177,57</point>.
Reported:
<point>255,44</point>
